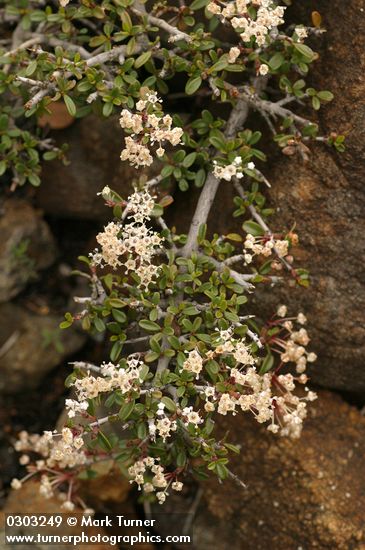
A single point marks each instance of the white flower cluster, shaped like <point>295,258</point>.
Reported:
<point>149,126</point>
<point>228,345</point>
<point>301,33</point>
<point>163,426</point>
<point>131,244</point>
<point>228,171</point>
<point>191,417</point>
<point>293,347</point>
<point>264,245</point>
<point>269,398</point>
<point>141,473</point>
<point>268,17</point>
<point>193,363</point>
<point>113,378</point>
<point>233,54</point>
<point>58,450</point>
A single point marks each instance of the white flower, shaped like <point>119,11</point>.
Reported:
<point>281,311</point>
<point>193,363</point>
<point>153,127</point>
<point>16,484</point>
<point>213,8</point>
<point>233,54</point>
<point>301,318</point>
<point>68,506</point>
<point>177,485</point>
<point>161,497</point>
<point>301,33</point>
<point>263,69</point>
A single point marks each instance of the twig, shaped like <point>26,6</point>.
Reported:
<point>237,479</point>
<point>272,108</point>
<point>9,343</point>
<point>240,278</point>
<point>236,120</point>
<point>259,220</point>
<point>162,24</point>
<point>192,511</point>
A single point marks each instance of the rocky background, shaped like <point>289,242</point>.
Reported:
<point>301,495</point>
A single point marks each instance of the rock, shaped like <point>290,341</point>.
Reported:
<point>30,346</point>
<point>58,118</point>
<point>107,495</point>
<point>110,486</point>
<point>70,191</point>
<point>325,198</point>
<point>341,70</point>
<point>26,246</point>
<point>27,500</point>
<point>306,493</point>
<point>329,218</point>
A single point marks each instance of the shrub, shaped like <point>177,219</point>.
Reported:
<point>184,344</point>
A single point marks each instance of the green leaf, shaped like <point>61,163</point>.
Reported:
<point>189,160</point>
<point>142,430</point>
<point>34,180</point>
<point>222,471</point>
<point>193,84</point>
<point>198,4</point>
<point>276,61</point>
<point>116,350</point>
<point>99,324</point>
<point>200,177</point>
<point>119,316</point>
<point>71,107</point>
<point>116,302</point>
<point>267,363</point>
<point>304,50</point>
<point>253,228</point>
<point>32,66</point>
<point>234,237</point>
<point>104,441</point>
<point>316,103</point>
<point>126,410</point>
<point>142,59</point>
<point>325,95</point>
<point>150,326</point>
<point>168,402</point>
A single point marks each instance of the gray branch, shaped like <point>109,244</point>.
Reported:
<point>236,120</point>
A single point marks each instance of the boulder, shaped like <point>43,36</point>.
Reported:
<point>26,247</point>
<point>30,346</point>
<point>27,500</point>
<point>325,198</point>
<point>301,494</point>
<point>329,216</point>
<point>70,191</point>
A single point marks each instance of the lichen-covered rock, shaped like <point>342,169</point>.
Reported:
<point>30,346</point>
<point>70,191</point>
<point>306,493</point>
<point>26,246</point>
